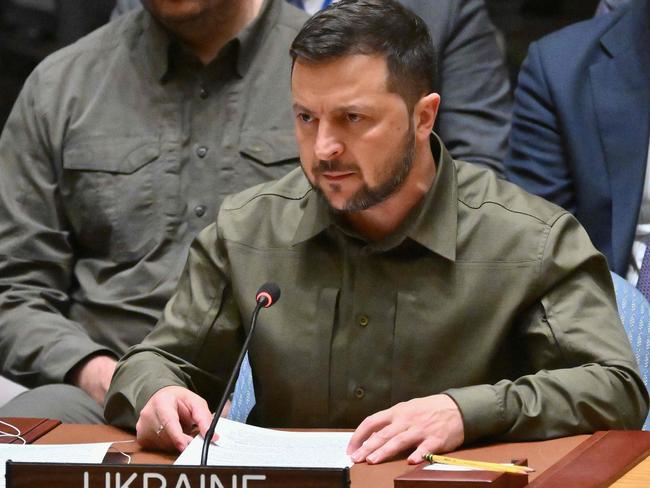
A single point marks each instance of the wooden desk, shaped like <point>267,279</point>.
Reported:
<point>541,455</point>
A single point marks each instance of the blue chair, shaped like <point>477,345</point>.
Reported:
<point>243,398</point>
<point>635,315</point>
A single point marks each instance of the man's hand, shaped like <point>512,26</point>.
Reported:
<point>171,417</point>
<point>94,375</point>
<point>431,424</point>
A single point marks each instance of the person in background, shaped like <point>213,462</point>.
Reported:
<point>475,112</point>
<point>425,302</point>
<point>118,151</point>
<point>581,130</point>
<point>476,103</point>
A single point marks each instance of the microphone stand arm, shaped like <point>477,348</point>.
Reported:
<point>231,381</point>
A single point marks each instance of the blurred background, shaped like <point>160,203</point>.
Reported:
<point>31,29</point>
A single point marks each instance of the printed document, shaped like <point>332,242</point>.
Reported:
<point>246,445</point>
<point>51,453</point>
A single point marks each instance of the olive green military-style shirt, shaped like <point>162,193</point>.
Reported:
<point>486,293</point>
<point>118,152</point>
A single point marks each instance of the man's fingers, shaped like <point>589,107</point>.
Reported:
<point>429,445</point>
<point>393,446</point>
<point>432,423</point>
<point>161,434</point>
<point>170,431</point>
<point>366,428</point>
<point>376,441</point>
<point>200,414</point>
<point>169,416</point>
<point>185,416</point>
<point>173,431</point>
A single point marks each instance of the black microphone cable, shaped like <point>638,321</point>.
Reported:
<point>266,295</point>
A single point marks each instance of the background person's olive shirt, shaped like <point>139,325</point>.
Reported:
<point>118,152</point>
<point>487,293</point>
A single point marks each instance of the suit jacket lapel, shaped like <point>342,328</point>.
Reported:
<point>621,92</point>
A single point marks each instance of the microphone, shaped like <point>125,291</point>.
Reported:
<point>266,295</point>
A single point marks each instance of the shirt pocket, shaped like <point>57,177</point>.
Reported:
<point>266,155</point>
<point>110,192</point>
<point>291,360</point>
<point>432,346</point>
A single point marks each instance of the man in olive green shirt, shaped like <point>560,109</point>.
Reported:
<point>425,302</point>
<point>118,152</point>
<point>121,148</point>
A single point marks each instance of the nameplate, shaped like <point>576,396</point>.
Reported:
<point>53,475</point>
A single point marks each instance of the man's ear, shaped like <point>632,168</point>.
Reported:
<point>424,114</point>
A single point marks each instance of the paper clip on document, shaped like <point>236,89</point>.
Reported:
<point>501,468</point>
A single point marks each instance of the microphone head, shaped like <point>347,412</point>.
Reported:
<point>268,294</point>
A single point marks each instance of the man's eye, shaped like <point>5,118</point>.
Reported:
<point>305,117</point>
<point>352,117</point>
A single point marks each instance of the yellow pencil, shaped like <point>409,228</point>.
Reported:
<point>502,468</point>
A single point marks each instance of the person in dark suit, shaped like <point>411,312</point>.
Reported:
<point>580,129</point>
<point>475,111</point>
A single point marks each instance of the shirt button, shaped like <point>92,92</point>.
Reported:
<point>359,392</point>
<point>203,93</point>
<point>201,151</point>
<point>199,210</point>
<point>363,320</point>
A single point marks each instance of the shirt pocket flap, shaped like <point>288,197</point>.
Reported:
<point>270,147</point>
<point>118,155</point>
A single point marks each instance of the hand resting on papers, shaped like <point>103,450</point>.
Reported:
<point>171,417</point>
<point>430,424</point>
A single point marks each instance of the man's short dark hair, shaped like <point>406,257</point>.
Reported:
<point>373,27</point>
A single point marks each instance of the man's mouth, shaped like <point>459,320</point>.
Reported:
<point>336,175</point>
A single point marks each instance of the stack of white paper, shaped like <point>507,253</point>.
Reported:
<point>245,445</point>
<point>51,453</point>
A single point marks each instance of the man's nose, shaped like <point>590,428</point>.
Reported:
<point>328,145</point>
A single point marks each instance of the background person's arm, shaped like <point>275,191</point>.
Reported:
<point>537,158</point>
<point>38,343</point>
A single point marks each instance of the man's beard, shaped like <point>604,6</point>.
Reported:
<point>367,197</point>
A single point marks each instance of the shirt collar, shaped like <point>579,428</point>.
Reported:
<point>433,223</point>
<point>157,42</point>
<point>254,35</point>
<point>316,217</point>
